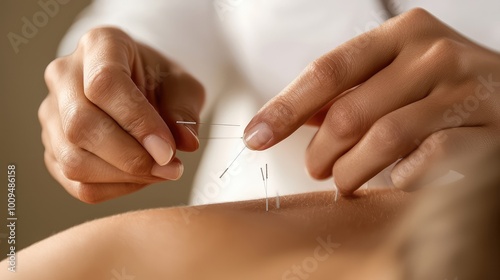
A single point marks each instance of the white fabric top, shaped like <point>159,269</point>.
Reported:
<point>245,51</point>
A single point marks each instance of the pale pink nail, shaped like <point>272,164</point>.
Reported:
<point>159,149</point>
<point>258,136</point>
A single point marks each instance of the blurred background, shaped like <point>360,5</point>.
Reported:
<point>43,206</point>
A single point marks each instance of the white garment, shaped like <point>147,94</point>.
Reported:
<point>246,51</point>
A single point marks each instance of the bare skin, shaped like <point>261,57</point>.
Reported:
<point>440,232</point>
<point>225,241</point>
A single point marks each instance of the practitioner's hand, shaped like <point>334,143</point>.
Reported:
<point>109,120</point>
<point>412,88</point>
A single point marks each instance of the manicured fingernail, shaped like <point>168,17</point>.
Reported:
<point>258,136</point>
<point>159,149</point>
<point>172,171</point>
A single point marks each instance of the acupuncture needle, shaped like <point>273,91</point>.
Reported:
<point>265,188</point>
<point>244,147</point>
<point>267,199</point>
<point>267,184</point>
<point>219,124</point>
<point>277,200</point>
<point>266,175</point>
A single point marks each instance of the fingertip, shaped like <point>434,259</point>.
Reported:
<point>186,137</point>
<point>396,179</point>
<point>401,180</point>
<point>342,189</point>
<point>258,136</point>
<point>192,142</point>
<point>161,151</point>
<point>172,171</point>
<point>314,174</point>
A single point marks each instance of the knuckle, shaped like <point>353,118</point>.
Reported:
<point>70,163</point>
<point>386,134</point>
<point>329,70</point>
<point>344,120</point>
<point>139,165</point>
<point>71,173</point>
<point>136,125</point>
<point>75,123</point>
<point>446,53</point>
<point>99,82</point>
<point>54,70</point>
<point>96,35</point>
<point>88,193</point>
<point>283,113</point>
<point>419,21</point>
<point>419,14</point>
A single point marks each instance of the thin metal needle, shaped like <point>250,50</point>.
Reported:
<point>221,124</point>
<point>265,187</point>
<point>277,200</point>
<point>232,162</point>
<point>266,174</point>
<point>267,200</point>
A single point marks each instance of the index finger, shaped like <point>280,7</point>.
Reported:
<point>343,68</point>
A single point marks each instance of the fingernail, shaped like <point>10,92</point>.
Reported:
<point>171,171</point>
<point>193,133</point>
<point>258,136</point>
<point>159,149</point>
<point>396,177</point>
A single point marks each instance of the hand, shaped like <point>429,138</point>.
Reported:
<point>412,89</point>
<point>109,120</point>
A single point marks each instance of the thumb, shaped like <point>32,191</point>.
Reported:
<point>182,100</point>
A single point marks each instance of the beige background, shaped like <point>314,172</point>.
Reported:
<point>43,207</point>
